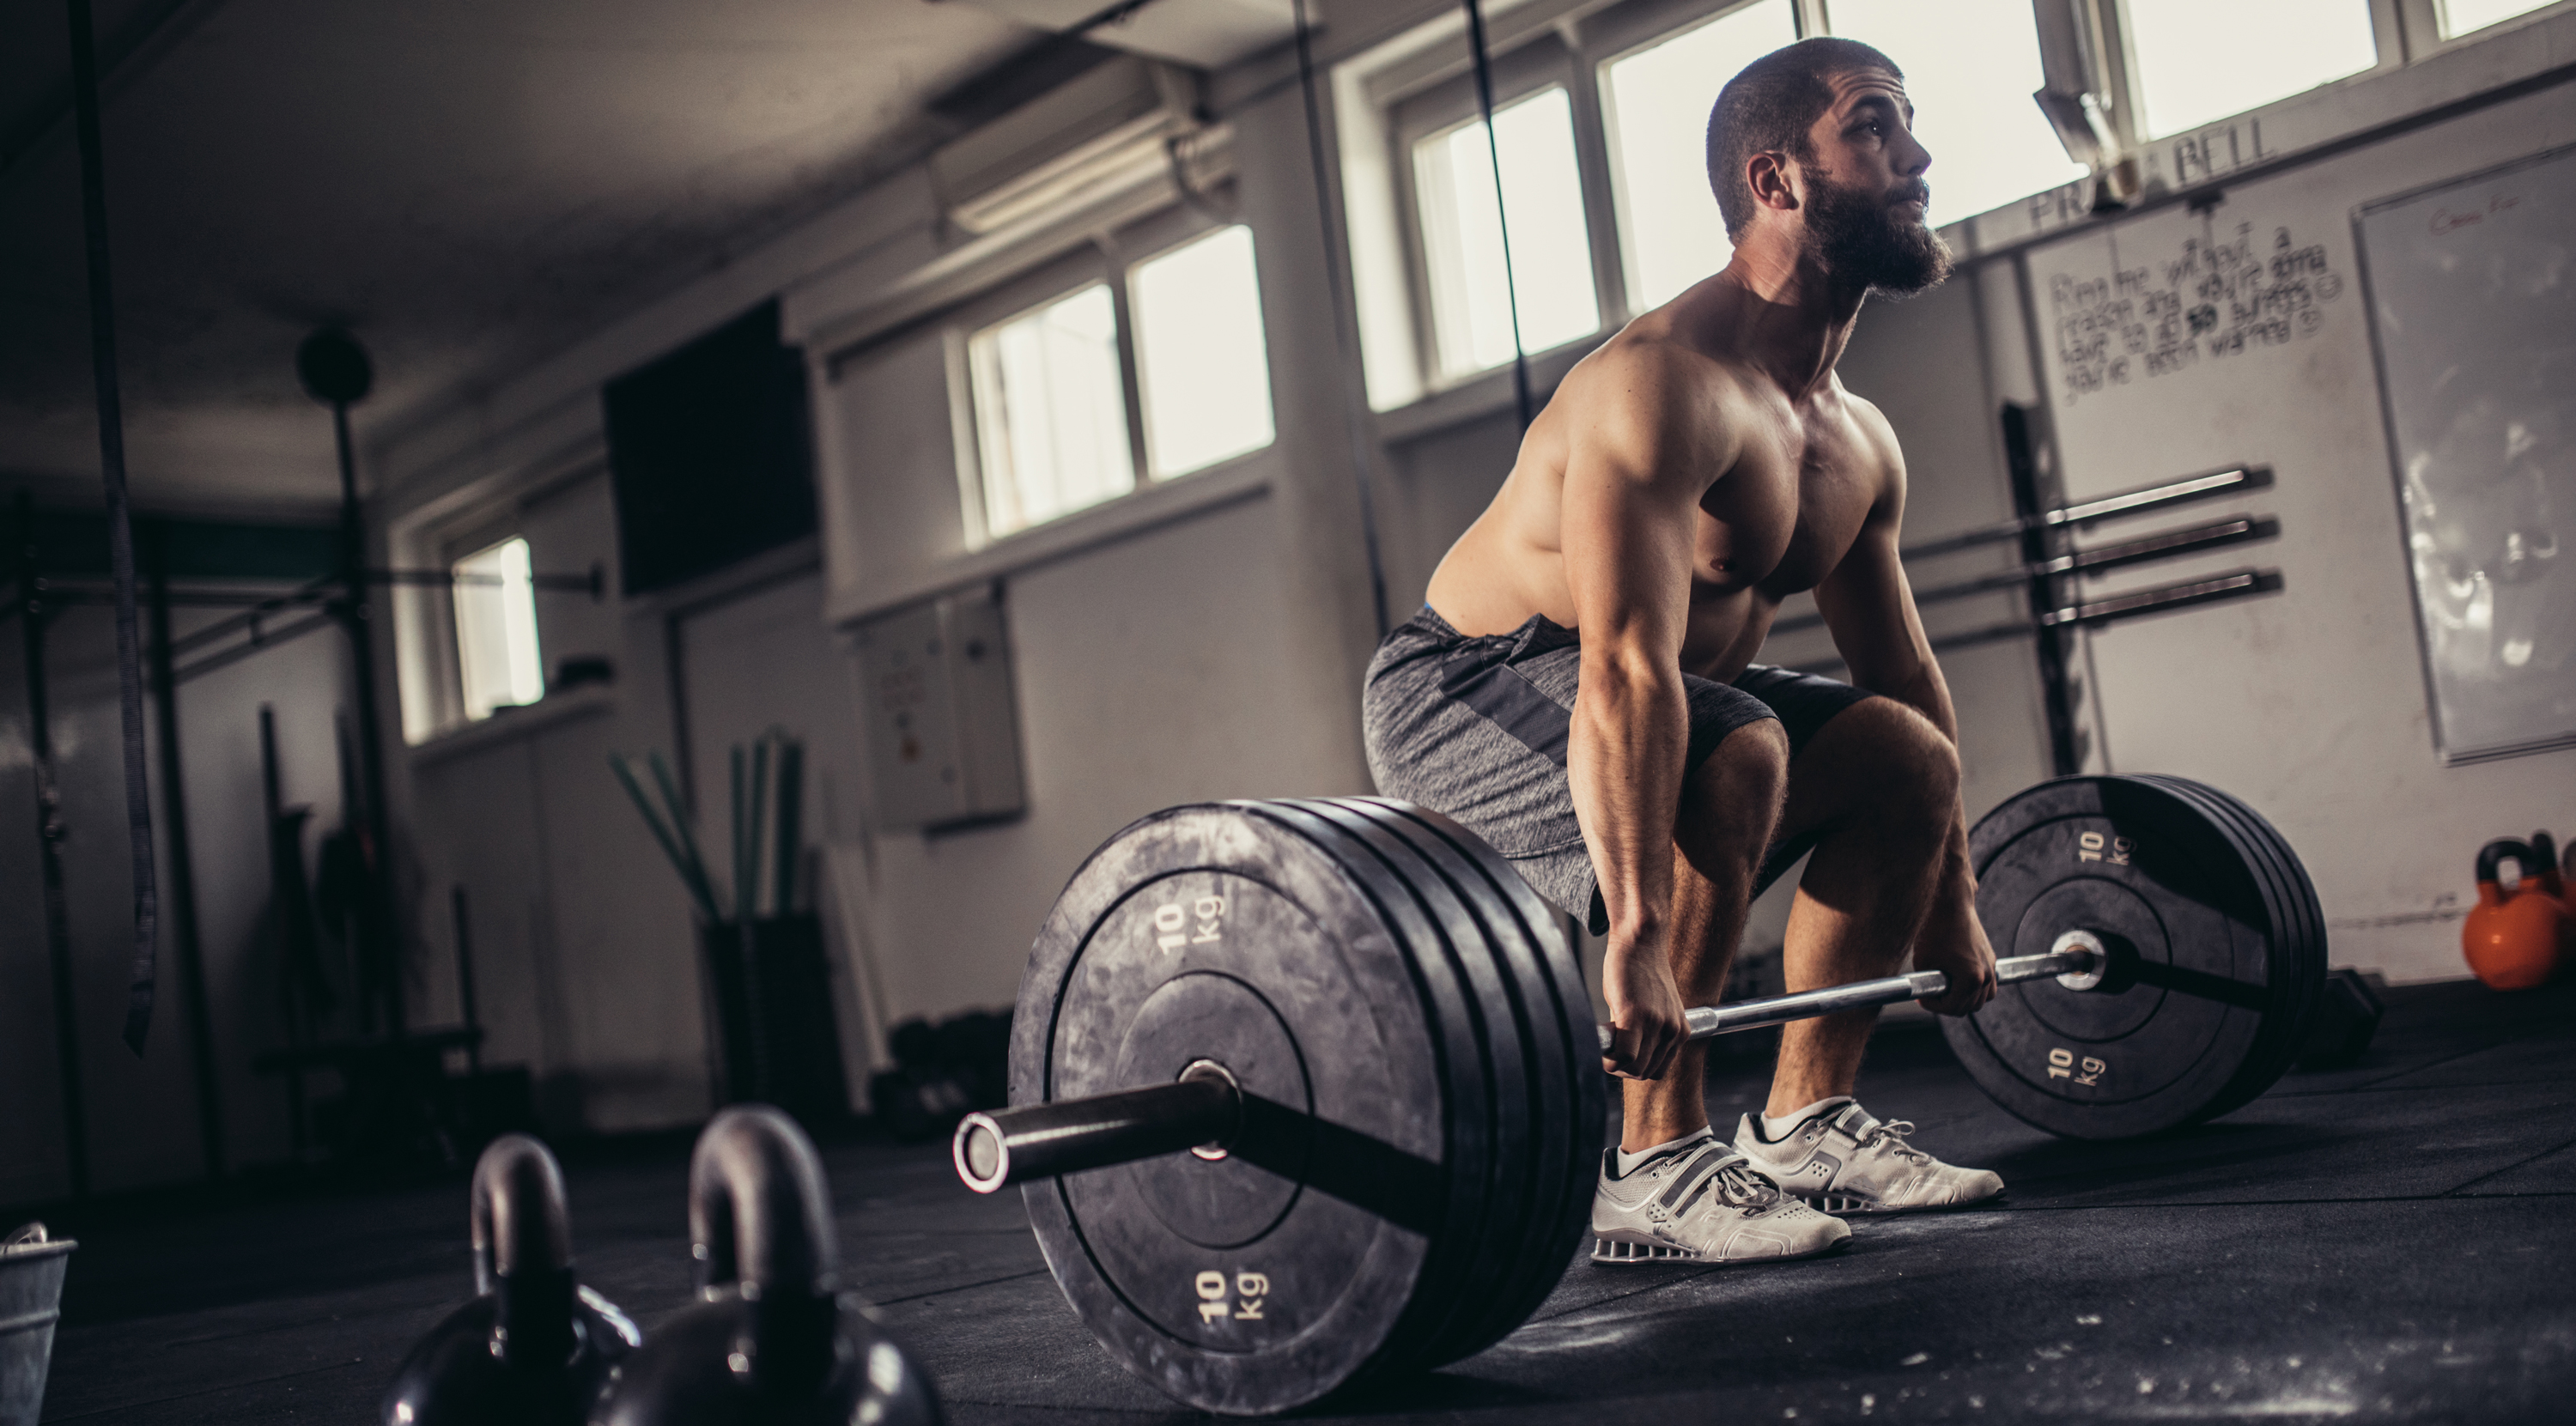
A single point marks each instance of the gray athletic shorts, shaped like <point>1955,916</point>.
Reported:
<point>1477,728</point>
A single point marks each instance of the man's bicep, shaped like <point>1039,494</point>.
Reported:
<point>1627,540</point>
<point>1867,602</point>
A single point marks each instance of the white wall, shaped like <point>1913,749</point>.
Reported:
<point>2310,705</point>
<point>584,960</point>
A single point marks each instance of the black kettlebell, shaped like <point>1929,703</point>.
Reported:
<point>534,1346</point>
<point>773,1341</point>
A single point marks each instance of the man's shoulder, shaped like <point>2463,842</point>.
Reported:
<point>1649,365</point>
<point>1873,426</point>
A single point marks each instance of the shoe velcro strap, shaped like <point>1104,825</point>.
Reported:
<point>1854,1120</point>
<point>1714,1158</point>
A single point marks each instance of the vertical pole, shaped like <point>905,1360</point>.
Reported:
<point>297,1027</point>
<point>465,982</point>
<point>185,932</point>
<point>1337,293</point>
<point>33,613</point>
<point>2038,545</point>
<point>120,524</point>
<point>1502,219</point>
<point>355,616</point>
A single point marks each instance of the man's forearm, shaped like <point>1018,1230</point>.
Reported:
<point>1624,755</point>
<point>1928,693</point>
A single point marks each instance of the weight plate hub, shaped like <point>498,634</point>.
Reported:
<point>1347,1207</point>
<point>2211,952</point>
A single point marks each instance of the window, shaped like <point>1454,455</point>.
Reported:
<point>1601,128</point>
<point>1970,67</point>
<point>2188,75</point>
<point>1051,411</point>
<point>2459,17</point>
<point>1655,104</point>
<point>1082,396</point>
<point>1203,365</point>
<point>496,629</point>
<point>1462,234</point>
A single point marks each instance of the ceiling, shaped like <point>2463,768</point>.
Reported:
<point>469,185</point>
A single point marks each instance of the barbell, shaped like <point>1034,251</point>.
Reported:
<point>1307,1092</point>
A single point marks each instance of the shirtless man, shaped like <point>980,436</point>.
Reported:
<point>1580,687</point>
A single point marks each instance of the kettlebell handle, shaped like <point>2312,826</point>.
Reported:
<point>758,1212</point>
<point>523,1251</point>
<point>2493,854</point>
<point>519,1220</point>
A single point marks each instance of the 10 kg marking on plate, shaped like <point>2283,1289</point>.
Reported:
<point>2062,1064</point>
<point>1250,1290</point>
<point>1172,924</point>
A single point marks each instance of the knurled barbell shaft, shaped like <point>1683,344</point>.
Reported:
<point>1063,1136</point>
<point>1204,1106</point>
<point>1710,1020</point>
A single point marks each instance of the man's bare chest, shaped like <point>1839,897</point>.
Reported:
<point>1785,516</point>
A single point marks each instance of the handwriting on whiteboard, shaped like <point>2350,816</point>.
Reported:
<point>2214,299</point>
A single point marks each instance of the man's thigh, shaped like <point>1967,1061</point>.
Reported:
<point>1804,704</point>
<point>1478,728</point>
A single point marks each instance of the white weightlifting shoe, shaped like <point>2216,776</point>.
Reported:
<point>1842,1159</point>
<point>1700,1201</point>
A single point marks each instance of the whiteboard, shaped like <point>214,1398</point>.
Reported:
<point>2471,290</point>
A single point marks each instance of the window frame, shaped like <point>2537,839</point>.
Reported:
<point>1446,105</point>
<point>1411,87</point>
<point>454,551</point>
<point>2421,23</point>
<point>1148,242</point>
<point>449,542</point>
<point>2127,86</point>
<point>1632,29</point>
<point>1110,257</point>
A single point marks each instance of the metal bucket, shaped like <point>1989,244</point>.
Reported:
<point>31,1287</point>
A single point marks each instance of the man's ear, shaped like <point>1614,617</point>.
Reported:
<point>1767,174</point>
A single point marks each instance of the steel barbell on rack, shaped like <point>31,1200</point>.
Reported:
<point>1308,1094</point>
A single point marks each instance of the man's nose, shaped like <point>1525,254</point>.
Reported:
<point>1914,158</point>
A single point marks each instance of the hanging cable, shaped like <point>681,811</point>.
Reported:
<point>120,524</point>
<point>1352,417</point>
<point>1502,221</point>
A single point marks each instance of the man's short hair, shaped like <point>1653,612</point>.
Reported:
<point>1768,108</point>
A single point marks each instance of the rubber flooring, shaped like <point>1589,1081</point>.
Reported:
<point>2387,1242</point>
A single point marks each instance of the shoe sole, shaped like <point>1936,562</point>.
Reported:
<point>1621,1251</point>
<point>1843,1205</point>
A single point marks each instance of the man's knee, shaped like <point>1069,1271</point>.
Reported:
<point>1753,755</point>
<point>1903,753</point>
<point>1736,792</point>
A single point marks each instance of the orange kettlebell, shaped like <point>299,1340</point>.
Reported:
<point>2514,939</point>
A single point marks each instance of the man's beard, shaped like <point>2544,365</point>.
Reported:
<point>1858,237</point>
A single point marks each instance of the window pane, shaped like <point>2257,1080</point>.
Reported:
<point>2461,16</point>
<point>2201,60</point>
<point>1050,413</point>
<point>1970,67</point>
<point>496,629</point>
<point>1205,376</point>
<point>1656,102</point>
<point>1462,234</point>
